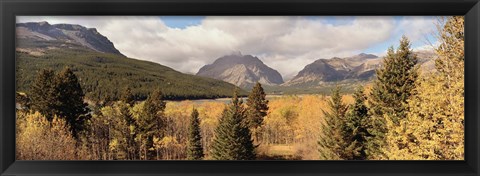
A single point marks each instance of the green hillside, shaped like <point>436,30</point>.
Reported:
<point>105,76</point>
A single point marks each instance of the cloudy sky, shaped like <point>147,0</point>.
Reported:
<point>286,44</point>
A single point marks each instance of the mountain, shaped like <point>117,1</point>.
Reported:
<point>360,67</point>
<point>64,35</point>
<point>241,70</point>
<point>103,72</point>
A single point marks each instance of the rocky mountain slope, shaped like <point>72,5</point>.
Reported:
<point>241,70</point>
<point>61,36</point>
<point>360,67</point>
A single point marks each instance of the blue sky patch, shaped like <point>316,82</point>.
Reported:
<point>182,22</point>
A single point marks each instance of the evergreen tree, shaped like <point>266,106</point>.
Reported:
<point>257,108</point>
<point>233,140</point>
<point>70,104</point>
<point>152,122</point>
<point>434,129</point>
<point>194,146</point>
<point>332,138</point>
<point>394,85</point>
<point>123,130</point>
<point>60,94</point>
<point>43,95</point>
<point>128,97</point>
<point>356,129</point>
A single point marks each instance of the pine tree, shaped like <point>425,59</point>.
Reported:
<point>233,140</point>
<point>43,95</point>
<point>332,138</point>
<point>356,129</point>
<point>434,129</point>
<point>151,123</point>
<point>394,85</point>
<point>194,146</point>
<point>70,100</point>
<point>123,130</point>
<point>257,108</point>
<point>128,97</point>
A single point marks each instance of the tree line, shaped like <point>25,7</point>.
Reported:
<point>406,114</point>
<point>127,130</point>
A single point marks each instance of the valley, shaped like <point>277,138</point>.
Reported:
<point>42,45</point>
<point>191,94</point>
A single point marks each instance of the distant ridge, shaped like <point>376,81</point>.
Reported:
<point>360,67</point>
<point>66,34</point>
<point>241,70</point>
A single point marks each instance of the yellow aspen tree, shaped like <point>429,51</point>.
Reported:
<point>434,128</point>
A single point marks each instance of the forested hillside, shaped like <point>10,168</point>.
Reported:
<point>104,76</point>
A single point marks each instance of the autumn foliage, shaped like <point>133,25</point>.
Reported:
<point>403,114</point>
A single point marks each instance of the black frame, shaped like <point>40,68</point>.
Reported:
<point>9,9</point>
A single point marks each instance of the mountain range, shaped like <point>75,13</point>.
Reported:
<point>246,70</point>
<point>94,55</point>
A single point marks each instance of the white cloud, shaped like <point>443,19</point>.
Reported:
<point>286,44</point>
<point>416,28</point>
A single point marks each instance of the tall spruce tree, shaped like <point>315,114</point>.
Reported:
<point>70,104</point>
<point>152,122</point>
<point>257,107</point>
<point>233,140</point>
<point>435,121</point>
<point>60,94</point>
<point>43,94</point>
<point>356,127</point>
<point>394,85</point>
<point>124,131</point>
<point>332,138</point>
<point>194,146</point>
<point>128,97</point>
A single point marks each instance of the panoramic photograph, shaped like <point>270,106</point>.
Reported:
<point>240,88</point>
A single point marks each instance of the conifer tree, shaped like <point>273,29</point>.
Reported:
<point>434,129</point>
<point>60,94</point>
<point>194,146</point>
<point>151,123</point>
<point>257,107</point>
<point>356,129</point>
<point>394,85</point>
<point>332,138</point>
<point>70,104</point>
<point>43,95</point>
<point>233,140</point>
<point>128,97</point>
<point>123,130</point>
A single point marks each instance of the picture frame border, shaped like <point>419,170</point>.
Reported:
<point>9,9</point>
